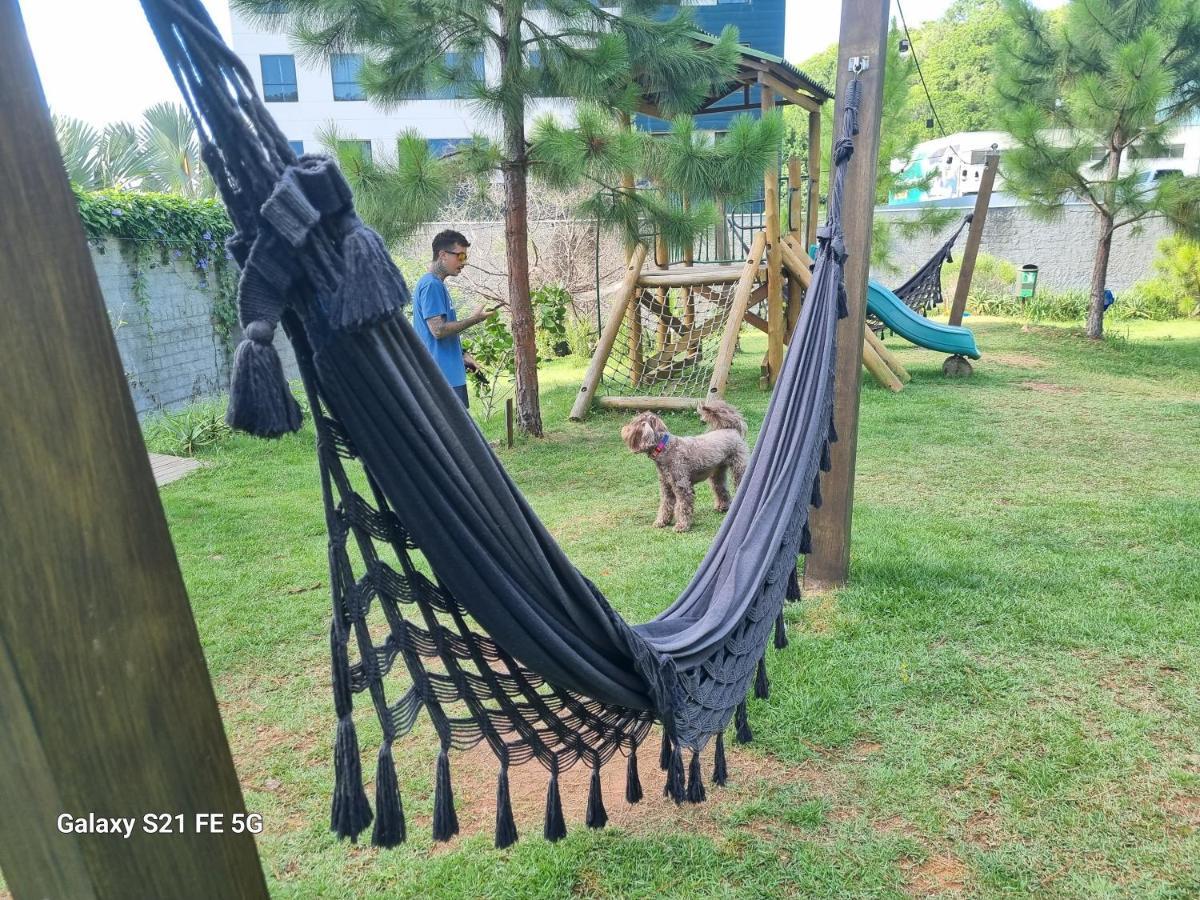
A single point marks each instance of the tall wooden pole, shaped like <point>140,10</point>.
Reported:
<point>776,322</point>
<point>864,32</point>
<point>634,309</point>
<point>814,177</point>
<point>795,230</point>
<point>966,271</point>
<point>106,706</point>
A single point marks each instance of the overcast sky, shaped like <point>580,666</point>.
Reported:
<point>98,60</point>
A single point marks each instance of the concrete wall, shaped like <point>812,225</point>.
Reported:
<point>1063,249</point>
<point>171,352</point>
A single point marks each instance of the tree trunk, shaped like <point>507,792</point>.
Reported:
<point>1095,317</point>
<point>516,233</point>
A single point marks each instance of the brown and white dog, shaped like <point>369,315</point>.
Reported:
<point>685,461</point>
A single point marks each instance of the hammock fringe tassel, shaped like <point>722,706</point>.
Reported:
<point>720,773</point>
<point>597,815</point>
<point>260,401</point>
<point>445,819</point>
<point>554,828</point>
<point>762,686</point>
<point>695,784</point>
<point>351,812</point>
<point>506,827</point>
<point>372,288</point>
<point>390,829</point>
<point>742,722</point>
<point>633,784</point>
<point>675,787</point>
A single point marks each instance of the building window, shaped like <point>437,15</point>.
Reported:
<point>345,68</point>
<point>360,149</point>
<point>279,79</point>
<point>454,91</point>
<point>297,147</point>
<point>439,147</point>
<point>1171,151</point>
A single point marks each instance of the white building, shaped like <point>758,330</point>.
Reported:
<point>955,163</point>
<point>305,97</point>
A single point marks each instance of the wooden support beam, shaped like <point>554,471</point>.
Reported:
<point>787,93</point>
<point>608,337</point>
<point>698,277</point>
<point>889,358</point>
<point>864,30</point>
<point>795,207</point>
<point>814,178</point>
<point>775,313</point>
<point>106,705</point>
<point>798,265</point>
<point>879,369</point>
<point>758,322</point>
<point>966,271</point>
<point>649,402</point>
<point>737,313</point>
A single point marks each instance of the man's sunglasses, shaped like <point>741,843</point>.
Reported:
<point>461,254</point>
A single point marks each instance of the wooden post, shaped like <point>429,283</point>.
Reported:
<point>794,229</point>
<point>879,369</point>
<point>621,302</point>
<point>814,177</point>
<point>663,262</point>
<point>974,235</point>
<point>890,358</point>
<point>508,421</point>
<point>737,312</point>
<point>635,314</point>
<point>864,30</point>
<point>106,706</point>
<point>775,314</point>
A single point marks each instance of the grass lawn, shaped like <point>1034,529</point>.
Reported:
<point>1005,701</point>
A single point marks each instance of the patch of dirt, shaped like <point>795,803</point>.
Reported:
<point>1183,812</point>
<point>1019,360</point>
<point>1046,387</point>
<point>820,612</point>
<point>941,874</point>
<point>897,825</point>
<point>982,829</point>
<point>751,774</point>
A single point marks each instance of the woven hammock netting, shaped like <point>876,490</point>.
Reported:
<point>449,597</point>
<point>923,291</point>
<point>668,341</point>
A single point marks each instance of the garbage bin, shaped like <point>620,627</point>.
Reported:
<point>1028,283</point>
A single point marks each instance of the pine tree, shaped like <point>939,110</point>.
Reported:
<point>1079,92</point>
<point>567,48</point>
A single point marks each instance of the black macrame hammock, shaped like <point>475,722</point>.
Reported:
<point>923,291</point>
<point>507,643</point>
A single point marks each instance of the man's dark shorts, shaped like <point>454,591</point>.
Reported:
<point>461,390</point>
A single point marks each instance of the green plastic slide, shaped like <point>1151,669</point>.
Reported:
<point>911,326</point>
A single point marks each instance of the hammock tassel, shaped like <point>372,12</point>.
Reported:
<point>805,548</point>
<point>675,787</point>
<point>390,829</point>
<point>555,828</point>
<point>816,493</point>
<point>826,458</point>
<point>372,288</point>
<point>506,827</point>
<point>445,819</point>
<point>664,755</point>
<point>633,784</point>
<point>743,734</point>
<point>260,401</point>
<point>695,784</point>
<point>351,813</point>
<point>781,638</point>
<point>762,687</point>
<point>720,770</point>
<point>597,815</point>
<point>793,584</point>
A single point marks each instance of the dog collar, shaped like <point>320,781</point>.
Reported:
<point>660,446</point>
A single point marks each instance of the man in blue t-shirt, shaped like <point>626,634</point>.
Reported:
<point>434,318</point>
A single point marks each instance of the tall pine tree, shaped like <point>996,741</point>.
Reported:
<point>538,48</point>
<point>1083,90</point>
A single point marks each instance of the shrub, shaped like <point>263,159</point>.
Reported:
<point>187,431</point>
<point>992,286</point>
<point>550,303</point>
<point>1155,298</point>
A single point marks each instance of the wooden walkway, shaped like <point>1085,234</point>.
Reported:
<point>171,468</point>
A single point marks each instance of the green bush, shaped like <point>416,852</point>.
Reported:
<point>992,286</point>
<point>187,431</point>
<point>550,304</point>
<point>1155,299</point>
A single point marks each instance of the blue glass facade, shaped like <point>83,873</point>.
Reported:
<point>760,24</point>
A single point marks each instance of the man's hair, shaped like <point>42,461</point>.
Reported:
<point>447,239</point>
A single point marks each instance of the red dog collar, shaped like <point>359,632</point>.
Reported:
<point>660,446</point>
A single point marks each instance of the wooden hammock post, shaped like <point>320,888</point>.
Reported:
<point>737,312</point>
<point>864,30</point>
<point>105,700</point>
<point>621,302</point>
<point>794,231</point>
<point>776,321</point>
<point>876,346</point>
<point>814,177</point>
<point>873,362</point>
<point>966,271</point>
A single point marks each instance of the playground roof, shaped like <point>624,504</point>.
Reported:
<point>756,68</point>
